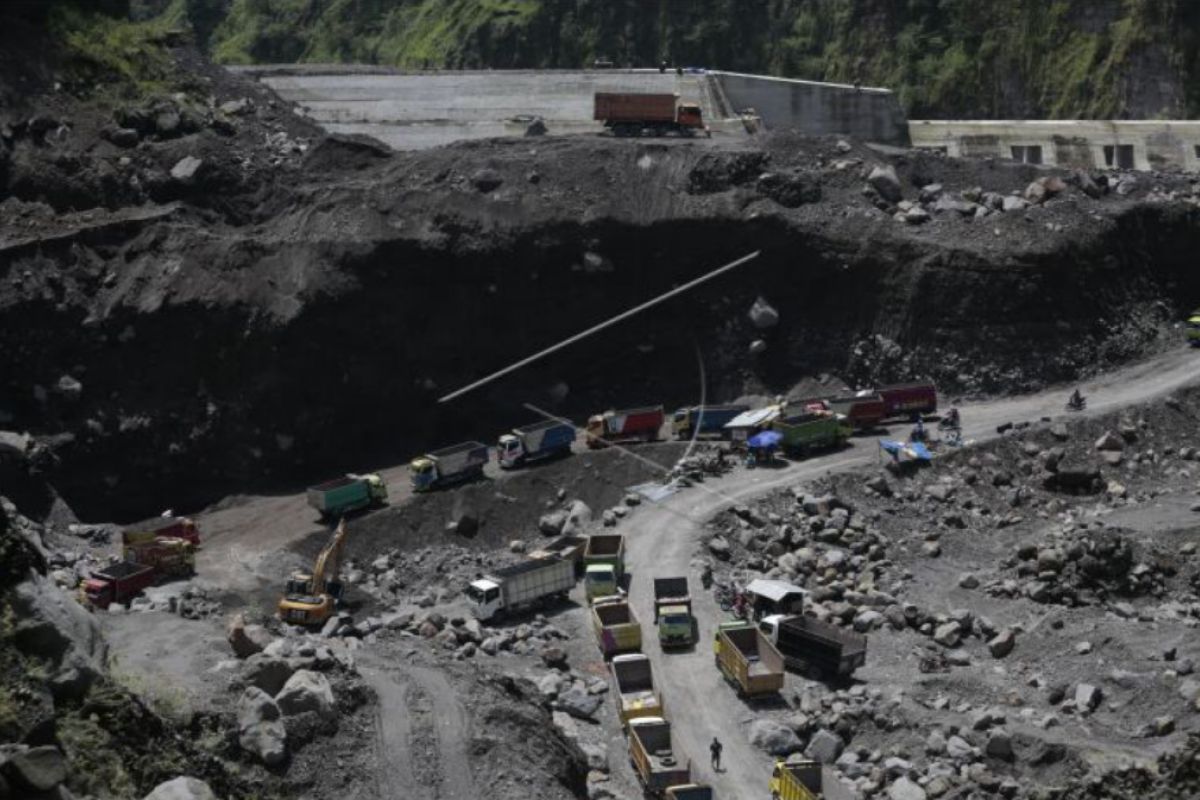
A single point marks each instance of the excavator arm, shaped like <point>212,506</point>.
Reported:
<point>329,560</point>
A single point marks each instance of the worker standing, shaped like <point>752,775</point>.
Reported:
<point>715,749</point>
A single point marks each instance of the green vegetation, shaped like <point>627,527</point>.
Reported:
<point>102,52</point>
<point>1024,58</point>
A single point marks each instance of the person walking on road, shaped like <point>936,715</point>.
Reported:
<point>715,749</point>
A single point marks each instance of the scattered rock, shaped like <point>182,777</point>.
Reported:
<point>260,727</point>
<point>182,788</point>
<point>905,789</point>
<point>186,168</point>
<point>486,180</point>
<point>38,768</point>
<point>307,691</point>
<point>763,314</point>
<point>824,747</point>
<point>883,180</point>
<point>1002,644</point>
<point>774,737</point>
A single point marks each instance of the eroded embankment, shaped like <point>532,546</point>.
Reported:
<point>215,358</point>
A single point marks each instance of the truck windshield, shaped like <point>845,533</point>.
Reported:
<point>677,619</point>
<point>475,594</point>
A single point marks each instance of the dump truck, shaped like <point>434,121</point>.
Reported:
<point>118,583</point>
<point>164,527</point>
<point>1193,328</point>
<point>624,427</point>
<point>462,462</point>
<point>690,791</point>
<point>340,496</point>
<point>528,584</point>
<point>603,564</point>
<point>861,412</point>
<point>637,695</point>
<point>811,430</point>
<point>673,612</point>
<point>748,660</point>
<point>617,628</point>
<point>657,764</point>
<point>568,548</point>
<point>909,399</point>
<point>635,114</point>
<point>535,442</point>
<point>801,779</point>
<point>167,555</point>
<point>809,645</point>
<point>704,420</point>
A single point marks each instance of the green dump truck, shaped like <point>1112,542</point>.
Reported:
<point>603,565</point>
<point>811,430</point>
<point>673,612</point>
<point>342,495</point>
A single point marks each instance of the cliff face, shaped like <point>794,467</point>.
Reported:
<point>1053,58</point>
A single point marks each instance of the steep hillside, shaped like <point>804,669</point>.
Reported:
<point>1060,58</point>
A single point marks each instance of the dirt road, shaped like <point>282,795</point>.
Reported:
<point>664,537</point>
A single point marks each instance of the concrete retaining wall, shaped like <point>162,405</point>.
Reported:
<point>872,115</point>
<point>1088,144</point>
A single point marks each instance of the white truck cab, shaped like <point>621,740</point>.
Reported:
<point>486,598</point>
<point>510,451</point>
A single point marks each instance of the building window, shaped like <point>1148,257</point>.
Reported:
<point>1121,154</point>
<point>1027,153</point>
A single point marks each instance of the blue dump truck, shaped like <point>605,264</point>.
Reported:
<point>462,462</point>
<point>340,496</point>
<point>704,420</point>
<point>535,442</point>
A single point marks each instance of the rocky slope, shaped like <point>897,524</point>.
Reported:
<point>1069,58</point>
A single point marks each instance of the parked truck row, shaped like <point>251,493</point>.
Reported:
<point>151,552</point>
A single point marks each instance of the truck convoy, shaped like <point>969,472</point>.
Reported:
<point>748,660</point>
<point>652,751</point>
<point>623,427</point>
<point>617,629</point>
<point>637,695</point>
<point>809,645</point>
<point>634,114</point>
<point>535,442</point>
<point>462,462</point>
<point>526,585</point>
<point>673,612</point>
<point>704,420</point>
<point>340,496</point>
<point>603,565</point>
<point>310,598</point>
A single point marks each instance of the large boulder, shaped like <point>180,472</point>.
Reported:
<point>307,691</point>
<point>579,517</point>
<point>825,746</point>
<point>260,727</point>
<point>763,314</point>
<point>246,640</point>
<point>58,630</point>
<point>552,524</point>
<point>39,769</point>
<point>579,703</point>
<point>883,180</point>
<point>774,737</point>
<point>268,673</point>
<point>181,788</point>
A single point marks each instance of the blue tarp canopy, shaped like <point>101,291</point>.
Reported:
<point>765,439</point>
<point>910,450</point>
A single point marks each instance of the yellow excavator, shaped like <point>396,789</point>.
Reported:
<point>310,599</point>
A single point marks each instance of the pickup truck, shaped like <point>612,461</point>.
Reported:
<point>629,425</point>
<point>801,779</point>
<point>462,462</point>
<point>530,583</point>
<point>342,495</point>
<point>673,612</point>
<point>810,645</point>
<point>535,442</point>
<point>704,420</point>
<point>617,628</point>
<point>811,430</point>
<point>603,564</point>
<point>652,750</point>
<point>568,548</point>
<point>637,696</point>
<point>748,660</point>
